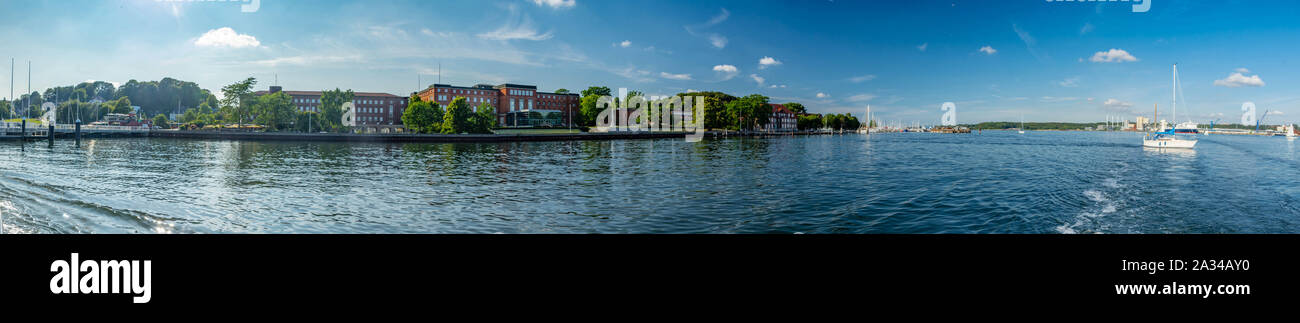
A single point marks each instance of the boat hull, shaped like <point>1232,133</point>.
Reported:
<point>1184,144</point>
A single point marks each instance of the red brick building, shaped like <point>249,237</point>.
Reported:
<point>516,105</point>
<point>373,109</point>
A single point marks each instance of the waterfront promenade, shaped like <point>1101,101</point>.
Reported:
<point>67,132</point>
<point>438,138</point>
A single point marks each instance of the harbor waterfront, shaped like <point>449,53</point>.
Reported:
<point>993,182</point>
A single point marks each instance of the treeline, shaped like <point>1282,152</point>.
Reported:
<point>723,111</point>
<point>457,118</point>
<point>239,106</point>
<point>91,100</point>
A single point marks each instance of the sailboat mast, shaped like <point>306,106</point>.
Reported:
<point>1175,97</point>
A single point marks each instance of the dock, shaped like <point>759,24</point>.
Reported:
<point>34,131</point>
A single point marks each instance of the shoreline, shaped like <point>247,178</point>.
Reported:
<point>417,138</point>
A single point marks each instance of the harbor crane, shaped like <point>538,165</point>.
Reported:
<point>1261,120</point>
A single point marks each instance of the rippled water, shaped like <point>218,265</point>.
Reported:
<point>994,182</point>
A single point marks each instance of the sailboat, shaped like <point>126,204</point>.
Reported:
<point>1022,123</point>
<point>1290,131</point>
<point>1169,138</point>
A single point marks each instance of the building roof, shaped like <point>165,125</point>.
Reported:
<point>517,86</point>
<point>779,108</point>
<point>318,93</point>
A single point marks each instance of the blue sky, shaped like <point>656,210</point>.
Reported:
<point>1050,61</point>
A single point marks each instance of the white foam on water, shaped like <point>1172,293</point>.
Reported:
<point>1069,228</point>
<point>1111,183</point>
<point>1094,195</point>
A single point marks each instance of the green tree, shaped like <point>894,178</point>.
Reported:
<point>422,116</point>
<point>307,121</point>
<point>160,121</point>
<point>562,91</point>
<point>190,116</point>
<point>275,111</point>
<point>596,90</point>
<point>842,122</point>
<point>749,112</point>
<point>485,118</point>
<point>331,108</point>
<point>810,122</point>
<point>6,110</point>
<point>121,105</point>
<point>587,110</point>
<point>238,100</point>
<point>210,105</point>
<point>715,109</point>
<point>458,118</point>
<point>796,108</point>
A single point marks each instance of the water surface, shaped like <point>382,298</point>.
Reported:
<point>990,182</point>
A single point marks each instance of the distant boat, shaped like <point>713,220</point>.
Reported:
<point>1022,123</point>
<point>1290,132</point>
<point>1169,138</point>
<point>1186,128</point>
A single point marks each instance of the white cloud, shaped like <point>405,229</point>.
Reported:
<point>1239,80</point>
<point>431,33</point>
<point>862,97</point>
<point>821,95</point>
<point>1070,82</point>
<point>1274,112</point>
<point>1114,55</point>
<point>625,44</point>
<point>1242,70</point>
<point>517,27</point>
<point>988,50</point>
<point>1114,105</point>
<point>308,60</point>
<point>632,73</point>
<point>1058,99</point>
<point>726,71</point>
<point>775,86</point>
<point>757,79</point>
<point>923,47</point>
<point>715,39</point>
<point>692,91</point>
<point>557,4</point>
<point>863,78</point>
<point>226,37</point>
<point>767,61</point>
<point>670,76</point>
<point>719,18</point>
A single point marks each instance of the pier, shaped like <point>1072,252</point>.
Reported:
<point>33,130</point>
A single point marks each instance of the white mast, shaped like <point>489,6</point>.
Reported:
<point>1175,96</point>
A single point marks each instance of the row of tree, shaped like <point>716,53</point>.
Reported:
<point>240,105</point>
<point>153,97</point>
<point>430,117</point>
<point>724,111</point>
